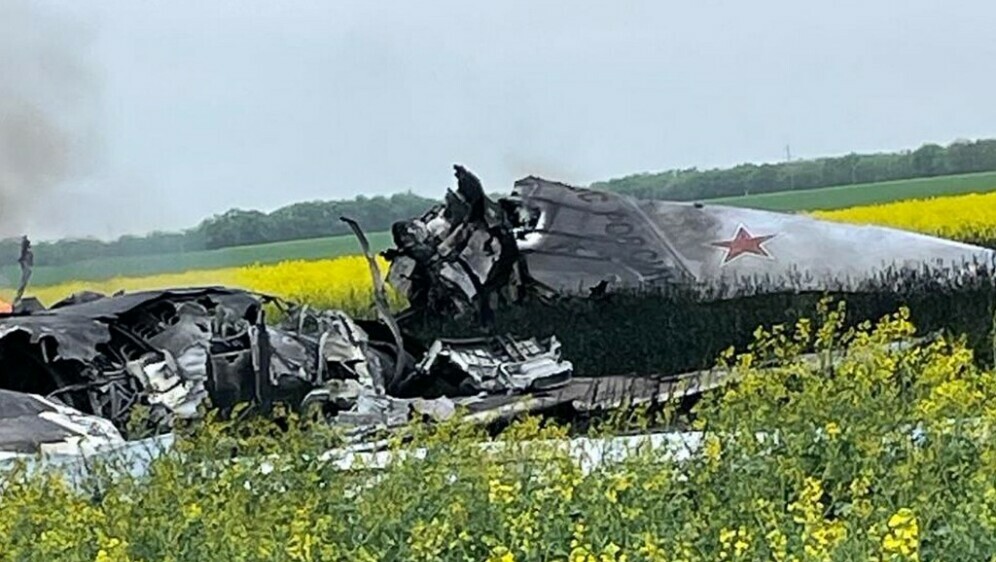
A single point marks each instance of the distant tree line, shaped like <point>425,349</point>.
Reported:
<point>314,219</point>
<point>73,250</point>
<point>960,157</point>
<point>237,227</point>
<point>311,219</point>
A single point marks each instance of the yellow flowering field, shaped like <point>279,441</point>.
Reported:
<point>970,217</point>
<point>884,453</point>
<point>343,283</point>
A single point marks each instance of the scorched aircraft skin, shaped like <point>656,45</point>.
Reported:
<point>723,250</point>
<point>555,239</point>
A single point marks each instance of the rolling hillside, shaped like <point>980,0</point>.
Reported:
<point>841,197</point>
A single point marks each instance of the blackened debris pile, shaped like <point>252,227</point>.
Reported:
<point>172,350</point>
<point>74,372</point>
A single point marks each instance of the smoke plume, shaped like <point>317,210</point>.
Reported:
<point>521,165</point>
<point>47,110</point>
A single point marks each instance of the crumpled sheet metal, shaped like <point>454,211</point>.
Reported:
<point>499,364</point>
<point>345,344</point>
<point>82,325</point>
<point>172,350</point>
<point>31,424</point>
<point>456,255</point>
<point>177,384</point>
<point>452,373</point>
<point>109,308</point>
<point>105,354</point>
<point>73,338</point>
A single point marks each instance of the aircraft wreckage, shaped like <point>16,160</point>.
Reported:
<point>71,374</point>
<point>77,369</point>
<point>548,239</point>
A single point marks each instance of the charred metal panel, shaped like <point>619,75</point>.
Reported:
<point>548,238</point>
<point>577,238</point>
<point>30,424</point>
<point>104,354</point>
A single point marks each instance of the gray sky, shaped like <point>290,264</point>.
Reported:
<point>194,107</point>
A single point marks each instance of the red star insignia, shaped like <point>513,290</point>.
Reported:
<point>744,243</point>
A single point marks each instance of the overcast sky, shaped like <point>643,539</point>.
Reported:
<point>194,107</point>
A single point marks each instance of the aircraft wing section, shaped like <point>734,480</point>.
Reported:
<point>731,250</point>
<point>577,238</point>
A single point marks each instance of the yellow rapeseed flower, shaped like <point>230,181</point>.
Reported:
<point>712,449</point>
<point>192,512</point>
<point>501,493</point>
<point>612,553</point>
<point>961,217</point>
<point>832,430</point>
<point>903,535</point>
<point>651,549</point>
<point>112,549</point>
<point>501,554</point>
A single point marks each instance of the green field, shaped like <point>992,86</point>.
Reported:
<point>139,266</point>
<point>846,196</point>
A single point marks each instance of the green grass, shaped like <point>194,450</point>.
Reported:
<point>845,196</point>
<point>139,266</point>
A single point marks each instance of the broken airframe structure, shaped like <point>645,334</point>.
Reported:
<point>72,374</point>
<point>78,369</point>
<point>472,254</point>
